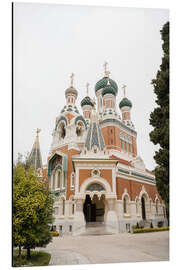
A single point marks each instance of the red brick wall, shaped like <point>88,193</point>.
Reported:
<point>84,174</point>
<point>69,154</point>
<point>112,138</point>
<point>134,188</point>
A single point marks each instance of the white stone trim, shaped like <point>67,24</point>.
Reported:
<point>95,179</point>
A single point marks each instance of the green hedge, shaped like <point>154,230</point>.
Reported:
<point>144,230</point>
<point>54,233</point>
<point>38,258</point>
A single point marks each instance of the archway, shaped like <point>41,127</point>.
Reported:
<point>94,209</point>
<point>143,206</point>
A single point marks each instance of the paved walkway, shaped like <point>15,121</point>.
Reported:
<point>114,248</point>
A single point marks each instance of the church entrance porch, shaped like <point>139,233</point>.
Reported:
<point>94,209</point>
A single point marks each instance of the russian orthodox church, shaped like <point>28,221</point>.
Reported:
<point>93,168</point>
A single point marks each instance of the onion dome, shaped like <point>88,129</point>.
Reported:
<point>125,102</point>
<point>109,90</point>
<point>87,101</point>
<point>103,83</point>
<point>71,91</point>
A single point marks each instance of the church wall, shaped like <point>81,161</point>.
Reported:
<point>69,116</point>
<point>84,174</point>
<point>69,154</point>
<point>111,135</point>
<point>134,189</point>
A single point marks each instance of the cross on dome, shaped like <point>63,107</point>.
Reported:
<point>87,86</point>
<point>72,79</point>
<point>106,72</point>
<point>38,131</point>
<point>105,66</point>
<point>124,89</point>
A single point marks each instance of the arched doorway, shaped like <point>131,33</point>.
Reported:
<point>94,209</point>
<point>143,208</point>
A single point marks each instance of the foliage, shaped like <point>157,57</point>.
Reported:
<point>54,233</point>
<point>145,230</point>
<point>32,210</point>
<point>38,258</point>
<point>159,119</point>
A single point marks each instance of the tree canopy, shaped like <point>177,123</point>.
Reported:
<point>159,119</point>
<point>32,209</point>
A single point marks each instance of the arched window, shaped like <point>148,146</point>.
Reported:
<point>79,129</point>
<point>137,206</point>
<point>72,208</point>
<point>62,130</point>
<point>156,207</point>
<point>143,206</point>
<point>125,146</point>
<point>121,145</point>
<point>58,179</point>
<point>53,182</point>
<point>72,180</point>
<point>150,206</point>
<point>125,205</point>
<point>63,206</point>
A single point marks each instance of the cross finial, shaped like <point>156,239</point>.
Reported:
<point>87,86</point>
<point>105,66</point>
<point>72,78</point>
<point>124,89</point>
<point>38,131</point>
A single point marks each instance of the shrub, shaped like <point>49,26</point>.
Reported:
<point>145,230</point>
<point>160,224</point>
<point>54,233</point>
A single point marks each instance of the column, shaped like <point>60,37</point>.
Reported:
<point>111,217</point>
<point>79,221</point>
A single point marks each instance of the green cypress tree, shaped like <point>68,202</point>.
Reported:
<point>159,119</point>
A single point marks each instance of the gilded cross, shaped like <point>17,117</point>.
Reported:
<point>38,131</point>
<point>124,89</point>
<point>105,66</point>
<point>72,79</point>
<point>87,86</point>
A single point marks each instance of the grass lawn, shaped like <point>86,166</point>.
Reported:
<point>38,258</point>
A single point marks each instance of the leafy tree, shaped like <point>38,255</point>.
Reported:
<point>159,119</point>
<point>32,210</point>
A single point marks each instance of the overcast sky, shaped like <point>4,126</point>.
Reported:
<point>52,41</point>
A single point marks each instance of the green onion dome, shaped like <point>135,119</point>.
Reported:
<point>125,102</point>
<point>71,91</point>
<point>87,101</point>
<point>103,83</point>
<point>109,90</point>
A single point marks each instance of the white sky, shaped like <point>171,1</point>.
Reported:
<point>51,41</point>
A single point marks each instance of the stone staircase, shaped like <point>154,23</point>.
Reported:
<point>95,228</point>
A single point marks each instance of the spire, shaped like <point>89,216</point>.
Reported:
<point>35,158</point>
<point>94,137</point>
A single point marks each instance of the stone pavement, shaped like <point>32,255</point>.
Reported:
<point>116,248</point>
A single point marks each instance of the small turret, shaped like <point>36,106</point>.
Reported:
<point>125,106</point>
<point>71,93</point>
<point>87,105</point>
